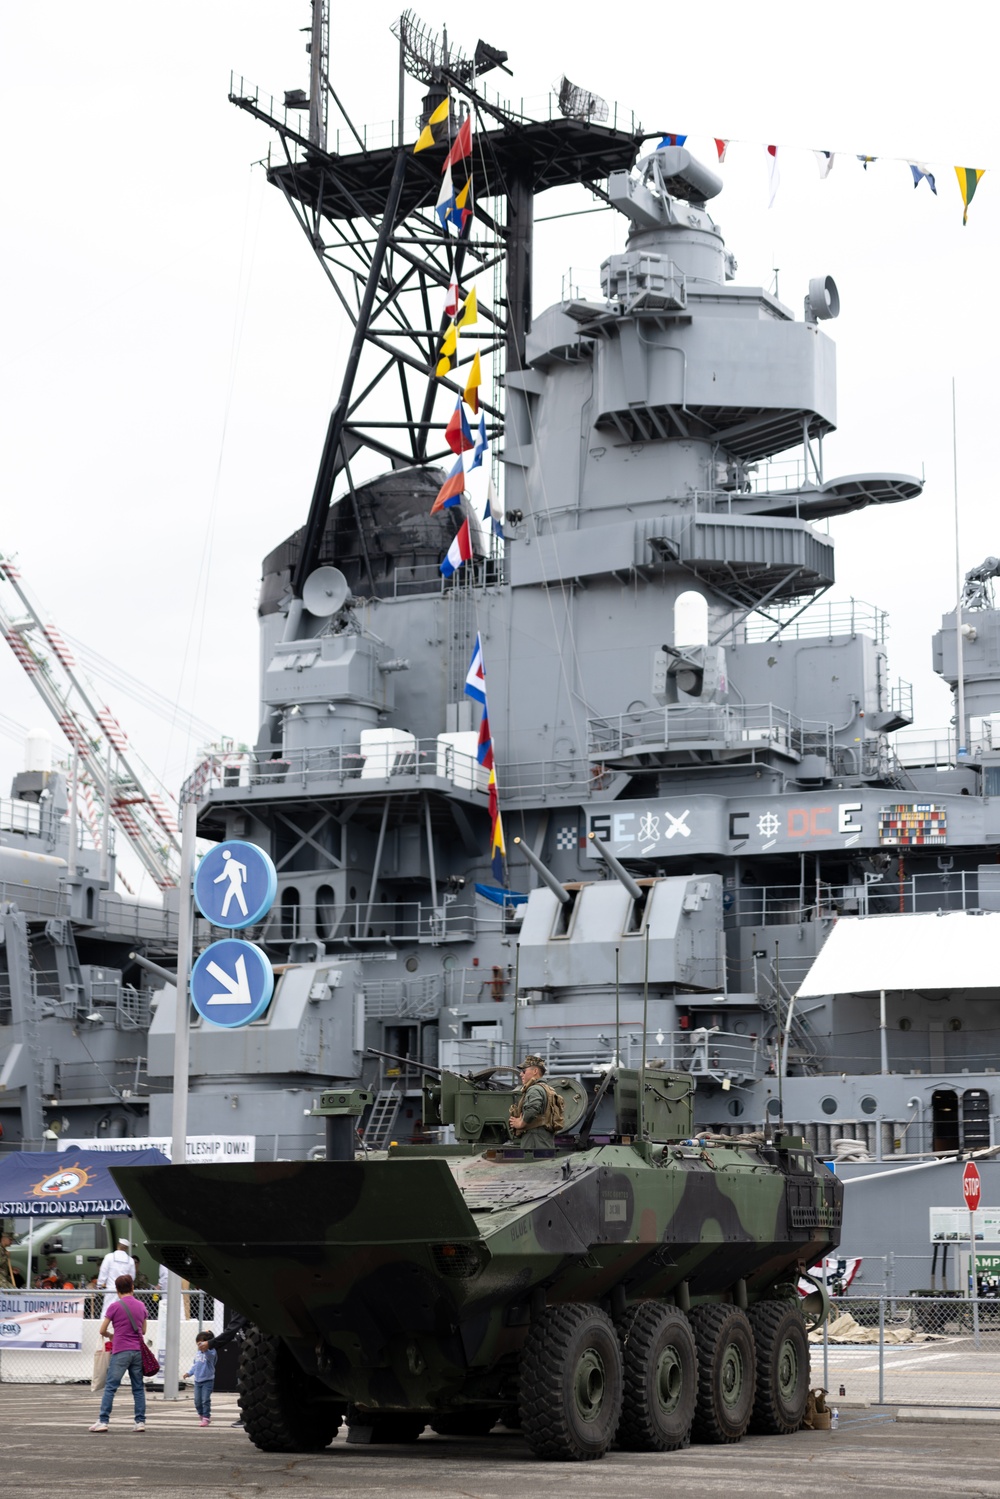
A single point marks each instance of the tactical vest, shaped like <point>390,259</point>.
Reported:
<point>553,1115</point>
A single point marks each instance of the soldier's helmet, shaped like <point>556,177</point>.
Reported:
<point>538,1062</point>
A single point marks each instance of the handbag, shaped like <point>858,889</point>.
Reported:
<point>98,1379</point>
<point>150,1363</point>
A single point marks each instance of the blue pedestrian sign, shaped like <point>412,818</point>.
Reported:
<point>232,983</point>
<point>235,884</point>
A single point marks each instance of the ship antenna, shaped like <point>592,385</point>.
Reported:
<point>961,748</point>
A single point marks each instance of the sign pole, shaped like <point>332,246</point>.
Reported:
<point>972,1190</point>
<point>182,1038</point>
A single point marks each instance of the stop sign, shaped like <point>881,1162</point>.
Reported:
<point>971,1185</point>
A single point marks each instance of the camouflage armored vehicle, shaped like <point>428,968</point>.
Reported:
<point>637,1285</point>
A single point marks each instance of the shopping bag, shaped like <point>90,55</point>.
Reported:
<point>150,1363</point>
<point>102,1359</point>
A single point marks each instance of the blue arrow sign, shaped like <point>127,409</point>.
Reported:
<point>235,884</point>
<point>232,983</point>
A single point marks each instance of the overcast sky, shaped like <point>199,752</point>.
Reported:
<point>171,350</point>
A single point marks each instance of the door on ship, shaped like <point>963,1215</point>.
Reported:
<point>944,1119</point>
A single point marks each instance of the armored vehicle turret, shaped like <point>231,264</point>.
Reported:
<point>632,1283</point>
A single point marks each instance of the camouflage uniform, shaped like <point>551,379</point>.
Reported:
<point>532,1104</point>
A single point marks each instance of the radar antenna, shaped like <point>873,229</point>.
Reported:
<point>426,56</point>
<point>978,590</point>
<point>577,103</point>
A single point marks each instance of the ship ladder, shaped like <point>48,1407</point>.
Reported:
<point>378,1130</point>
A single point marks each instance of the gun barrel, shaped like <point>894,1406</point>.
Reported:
<point>616,868</point>
<point>390,1056</point>
<point>558,890</point>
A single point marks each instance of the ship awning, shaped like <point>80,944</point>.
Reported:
<point>954,950</point>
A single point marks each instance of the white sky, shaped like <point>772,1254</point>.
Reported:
<point>171,350</point>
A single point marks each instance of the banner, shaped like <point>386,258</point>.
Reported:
<point>32,1322</point>
<point>200,1148</point>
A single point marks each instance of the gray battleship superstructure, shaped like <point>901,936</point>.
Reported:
<point>696,758</point>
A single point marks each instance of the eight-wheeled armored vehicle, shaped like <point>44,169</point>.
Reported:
<point>636,1285</point>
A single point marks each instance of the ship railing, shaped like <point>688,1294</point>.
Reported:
<point>32,900</point>
<point>825,619</point>
<point>131,919</point>
<point>702,1052</point>
<point>761,906</point>
<point>384,134</point>
<point>403,999</point>
<point>360,927</point>
<point>748,726</point>
<point>20,817</point>
<point>103,1081</point>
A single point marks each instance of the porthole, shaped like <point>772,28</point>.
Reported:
<point>905,1024</point>
<point>412,964</point>
<point>954,1024</point>
<point>735,1107</point>
<point>869,1105</point>
<point>828,1105</point>
<point>773,1107</point>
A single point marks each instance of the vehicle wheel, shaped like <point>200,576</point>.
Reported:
<point>284,1409</point>
<point>726,1373</point>
<point>782,1367</point>
<point>470,1423</point>
<point>660,1366</point>
<point>570,1397</point>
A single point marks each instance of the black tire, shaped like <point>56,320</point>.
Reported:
<point>660,1368</point>
<point>284,1409</point>
<point>570,1396</point>
<point>727,1375</point>
<point>782,1367</point>
<point>470,1423</point>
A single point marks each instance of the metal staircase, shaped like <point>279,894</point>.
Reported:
<point>378,1130</point>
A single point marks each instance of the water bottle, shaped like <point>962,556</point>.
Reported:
<point>834,1419</point>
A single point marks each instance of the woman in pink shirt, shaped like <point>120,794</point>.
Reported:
<point>126,1321</point>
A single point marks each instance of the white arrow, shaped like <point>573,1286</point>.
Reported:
<point>237,989</point>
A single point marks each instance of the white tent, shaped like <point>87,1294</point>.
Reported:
<point>864,954</point>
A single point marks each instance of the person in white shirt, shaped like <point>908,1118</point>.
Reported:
<point>118,1262</point>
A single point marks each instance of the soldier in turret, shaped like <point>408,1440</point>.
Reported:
<point>530,1112</point>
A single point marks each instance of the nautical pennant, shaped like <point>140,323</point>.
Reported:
<point>431,132</point>
<point>445,205</point>
<point>459,552</point>
<point>720,147</point>
<point>864,160</point>
<point>471,393</point>
<point>451,301</point>
<point>480,444</point>
<point>774,175</point>
<point>475,687</point>
<point>494,510</point>
<point>498,851</point>
<point>458,434</point>
<point>825,162</point>
<point>968,181</point>
<point>921,174</point>
<point>449,347</point>
<point>461,146</point>
<point>451,491</point>
<point>484,746</point>
<point>671,140</point>
<point>470,310</point>
<point>475,677</point>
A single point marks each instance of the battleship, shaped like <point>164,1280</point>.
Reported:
<point>711,802</point>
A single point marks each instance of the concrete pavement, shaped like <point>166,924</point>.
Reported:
<point>45,1448</point>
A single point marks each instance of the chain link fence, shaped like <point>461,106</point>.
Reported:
<point>50,1337</point>
<point>927,1350</point>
